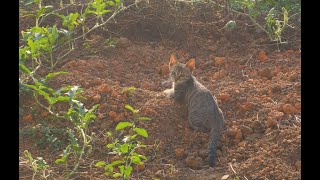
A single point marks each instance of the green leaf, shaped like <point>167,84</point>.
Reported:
<point>116,175</point>
<point>124,148</point>
<point>121,169</point>
<point>111,3</point>
<point>24,68</point>
<point>109,134</point>
<point>110,146</point>
<point>110,166</point>
<point>130,108</point>
<point>62,160</point>
<point>51,75</point>
<point>135,159</point>
<point>128,171</point>
<point>144,118</point>
<point>143,157</point>
<point>123,125</point>
<point>105,11</point>
<point>133,136</point>
<point>141,132</point>
<point>100,163</point>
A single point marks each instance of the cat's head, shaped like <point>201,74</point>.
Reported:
<point>181,72</point>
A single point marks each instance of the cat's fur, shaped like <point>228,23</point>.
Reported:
<point>204,113</point>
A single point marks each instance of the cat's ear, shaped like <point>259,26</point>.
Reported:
<point>191,64</point>
<point>173,60</point>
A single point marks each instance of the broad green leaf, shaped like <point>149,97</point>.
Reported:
<point>121,169</point>
<point>128,171</point>
<point>51,75</point>
<point>109,169</point>
<point>123,125</point>
<point>141,132</point>
<point>124,148</point>
<point>144,118</point>
<point>100,163</point>
<point>135,159</point>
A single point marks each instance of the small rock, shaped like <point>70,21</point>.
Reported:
<point>276,89</point>
<point>45,114</point>
<point>27,117</point>
<point>293,77</point>
<point>123,42</point>
<point>257,126</point>
<point>247,106</point>
<point>245,130</point>
<point>219,61</point>
<point>208,64</point>
<point>242,143</point>
<point>271,122</point>
<point>231,132</point>
<point>203,153</point>
<point>238,135</point>
<point>96,98</point>
<point>112,114</point>
<point>224,97</point>
<point>104,88</point>
<point>220,74</point>
<point>97,81</point>
<point>297,107</point>
<point>225,177</point>
<point>298,165</point>
<point>275,114</point>
<point>148,71</point>
<point>262,56</point>
<point>180,153</point>
<point>106,125</point>
<point>212,48</point>
<point>288,109</point>
<point>140,167</point>
<point>266,72</point>
<point>193,162</point>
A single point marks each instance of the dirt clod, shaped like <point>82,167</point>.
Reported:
<point>193,162</point>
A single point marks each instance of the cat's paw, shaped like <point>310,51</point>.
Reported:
<point>169,93</point>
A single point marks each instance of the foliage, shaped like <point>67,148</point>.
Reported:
<point>45,46</point>
<point>125,147</point>
<point>38,165</point>
<point>275,14</point>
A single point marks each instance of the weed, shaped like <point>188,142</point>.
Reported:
<point>38,165</point>
<point>124,147</point>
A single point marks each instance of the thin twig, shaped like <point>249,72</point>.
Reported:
<point>232,168</point>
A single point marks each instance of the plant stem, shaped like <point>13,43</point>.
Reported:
<point>82,152</point>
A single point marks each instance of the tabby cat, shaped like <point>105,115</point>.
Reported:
<point>204,113</point>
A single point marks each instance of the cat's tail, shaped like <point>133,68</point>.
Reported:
<point>214,138</point>
<point>214,134</point>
